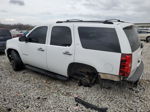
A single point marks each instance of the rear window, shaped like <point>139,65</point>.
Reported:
<point>96,38</point>
<point>132,35</point>
<point>4,32</point>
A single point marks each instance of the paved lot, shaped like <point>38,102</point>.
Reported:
<point>27,91</point>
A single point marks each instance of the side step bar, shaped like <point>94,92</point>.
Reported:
<point>53,75</point>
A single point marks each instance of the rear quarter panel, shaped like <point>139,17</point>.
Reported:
<point>102,61</point>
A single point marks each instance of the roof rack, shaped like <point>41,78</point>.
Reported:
<point>78,20</point>
<point>70,20</point>
<point>113,20</point>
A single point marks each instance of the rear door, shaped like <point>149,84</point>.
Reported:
<point>60,51</point>
<point>132,35</point>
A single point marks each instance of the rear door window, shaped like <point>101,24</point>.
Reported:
<point>132,35</point>
<point>61,36</point>
<point>96,38</point>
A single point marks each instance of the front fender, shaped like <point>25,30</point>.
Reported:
<point>13,44</point>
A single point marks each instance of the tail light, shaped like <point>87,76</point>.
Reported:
<point>125,65</point>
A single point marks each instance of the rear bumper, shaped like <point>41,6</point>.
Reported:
<point>137,74</point>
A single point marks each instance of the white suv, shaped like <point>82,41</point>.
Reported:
<point>84,50</point>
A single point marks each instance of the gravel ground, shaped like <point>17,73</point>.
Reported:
<point>27,91</point>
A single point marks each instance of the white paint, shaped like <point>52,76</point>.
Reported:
<point>54,60</point>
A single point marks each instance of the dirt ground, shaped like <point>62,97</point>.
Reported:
<point>27,91</point>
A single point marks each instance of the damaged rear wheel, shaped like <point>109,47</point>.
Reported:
<point>85,75</point>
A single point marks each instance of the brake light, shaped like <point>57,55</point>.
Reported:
<point>125,65</point>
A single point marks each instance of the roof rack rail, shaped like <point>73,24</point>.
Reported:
<point>113,20</point>
<point>70,20</point>
<point>78,20</point>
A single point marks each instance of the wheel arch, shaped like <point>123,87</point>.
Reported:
<point>9,52</point>
<point>77,64</point>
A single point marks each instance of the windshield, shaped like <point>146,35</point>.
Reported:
<point>131,33</point>
<point>4,32</point>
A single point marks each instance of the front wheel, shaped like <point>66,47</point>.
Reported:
<point>16,61</point>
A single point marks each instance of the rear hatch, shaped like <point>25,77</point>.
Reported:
<point>132,35</point>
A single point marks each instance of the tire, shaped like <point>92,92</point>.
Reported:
<point>16,61</point>
<point>148,39</point>
<point>86,75</point>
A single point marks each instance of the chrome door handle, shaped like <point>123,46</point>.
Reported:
<point>41,49</point>
<point>67,53</point>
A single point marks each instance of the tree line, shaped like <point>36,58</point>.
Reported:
<point>16,26</point>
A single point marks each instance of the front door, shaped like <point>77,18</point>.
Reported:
<point>34,51</point>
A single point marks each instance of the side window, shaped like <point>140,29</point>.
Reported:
<point>38,35</point>
<point>96,38</point>
<point>61,36</point>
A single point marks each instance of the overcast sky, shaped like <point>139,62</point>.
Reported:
<point>46,11</point>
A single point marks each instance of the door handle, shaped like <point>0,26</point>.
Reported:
<point>67,53</point>
<point>41,49</point>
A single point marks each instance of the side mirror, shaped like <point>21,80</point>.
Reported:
<point>23,39</point>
